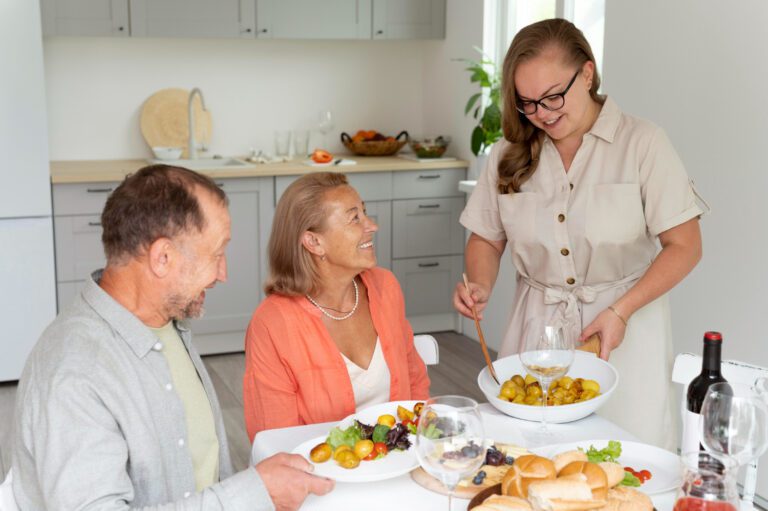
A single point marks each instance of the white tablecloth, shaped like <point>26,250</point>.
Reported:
<point>402,493</point>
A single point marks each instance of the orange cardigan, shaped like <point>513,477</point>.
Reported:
<point>294,373</point>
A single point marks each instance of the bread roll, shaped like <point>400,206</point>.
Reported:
<point>562,495</point>
<point>623,498</point>
<point>524,471</point>
<point>613,471</point>
<point>506,502</point>
<point>596,478</point>
<point>567,457</point>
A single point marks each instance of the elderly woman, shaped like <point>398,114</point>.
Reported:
<point>331,336</point>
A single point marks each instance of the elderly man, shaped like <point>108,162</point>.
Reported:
<point>115,409</point>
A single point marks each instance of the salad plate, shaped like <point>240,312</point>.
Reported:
<point>664,466</point>
<point>394,464</point>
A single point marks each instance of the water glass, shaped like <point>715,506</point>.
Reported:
<point>300,143</point>
<point>282,143</point>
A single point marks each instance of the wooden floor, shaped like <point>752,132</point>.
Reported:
<point>460,361</point>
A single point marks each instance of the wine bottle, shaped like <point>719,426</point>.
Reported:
<point>697,390</point>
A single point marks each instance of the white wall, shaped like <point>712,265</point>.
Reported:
<point>699,69</point>
<point>96,87</point>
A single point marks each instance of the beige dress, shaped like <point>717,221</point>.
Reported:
<point>579,240</point>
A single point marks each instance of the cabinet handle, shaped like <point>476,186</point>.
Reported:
<point>121,28</point>
<point>94,224</point>
<point>428,206</point>
<point>247,30</point>
<point>263,30</point>
<point>428,265</point>
<point>429,176</point>
<point>379,32</point>
<point>99,190</point>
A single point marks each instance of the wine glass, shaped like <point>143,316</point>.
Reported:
<point>734,421</point>
<point>546,351</point>
<point>449,439</point>
<point>325,125</point>
<point>705,487</point>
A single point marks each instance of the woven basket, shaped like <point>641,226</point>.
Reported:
<point>375,147</point>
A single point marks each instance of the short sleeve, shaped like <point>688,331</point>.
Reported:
<point>481,214</point>
<point>668,196</point>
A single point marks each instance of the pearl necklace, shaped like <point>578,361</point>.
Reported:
<point>338,318</point>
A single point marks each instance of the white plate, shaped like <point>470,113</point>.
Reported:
<point>394,464</point>
<point>664,466</point>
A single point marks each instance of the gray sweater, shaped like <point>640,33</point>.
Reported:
<point>98,426</point>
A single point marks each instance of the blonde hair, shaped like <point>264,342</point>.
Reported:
<point>521,158</point>
<point>292,270</point>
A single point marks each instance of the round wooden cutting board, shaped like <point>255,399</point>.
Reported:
<point>164,120</point>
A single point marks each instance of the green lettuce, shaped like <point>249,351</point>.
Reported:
<point>629,480</point>
<point>349,436</point>
<point>610,453</point>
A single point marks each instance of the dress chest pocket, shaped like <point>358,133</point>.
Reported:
<point>518,214</point>
<point>615,214</point>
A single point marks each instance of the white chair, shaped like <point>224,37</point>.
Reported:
<point>7,500</point>
<point>688,366</point>
<point>426,346</point>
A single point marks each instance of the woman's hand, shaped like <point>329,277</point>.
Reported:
<point>463,300</point>
<point>611,330</point>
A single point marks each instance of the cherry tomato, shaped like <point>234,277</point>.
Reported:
<point>407,421</point>
<point>630,470</point>
<point>380,448</point>
<point>416,422</point>
<point>372,456</point>
<point>646,474</point>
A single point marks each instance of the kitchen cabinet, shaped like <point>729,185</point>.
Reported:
<point>408,19</point>
<point>77,210</point>
<point>310,19</point>
<point>85,18</point>
<point>193,18</point>
<point>263,19</point>
<point>419,237</point>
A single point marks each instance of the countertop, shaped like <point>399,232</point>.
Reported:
<point>94,171</point>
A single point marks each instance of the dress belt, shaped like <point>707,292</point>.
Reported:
<point>571,297</point>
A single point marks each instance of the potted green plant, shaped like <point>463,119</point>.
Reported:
<point>484,105</point>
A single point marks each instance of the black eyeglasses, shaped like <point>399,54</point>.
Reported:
<point>551,102</point>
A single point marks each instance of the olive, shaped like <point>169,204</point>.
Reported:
<point>320,453</point>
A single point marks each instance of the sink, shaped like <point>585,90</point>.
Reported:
<point>206,163</point>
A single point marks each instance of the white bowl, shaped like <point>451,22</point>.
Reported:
<point>167,153</point>
<point>585,365</point>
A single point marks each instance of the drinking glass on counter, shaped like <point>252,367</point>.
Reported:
<point>282,143</point>
<point>449,439</point>
<point>300,143</point>
<point>325,125</point>
<point>546,351</point>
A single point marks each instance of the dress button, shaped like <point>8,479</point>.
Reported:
<point>181,442</point>
<point>571,186</point>
<point>168,386</point>
<point>565,251</point>
<point>570,281</point>
<point>561,218</point>
<point>187,494</point>
<point>158,346</point>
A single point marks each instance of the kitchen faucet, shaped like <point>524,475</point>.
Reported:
<point>192,144</point>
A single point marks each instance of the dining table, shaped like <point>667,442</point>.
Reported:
<point>403,493</point>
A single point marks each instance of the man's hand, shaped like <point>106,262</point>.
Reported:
<point>288,480</point>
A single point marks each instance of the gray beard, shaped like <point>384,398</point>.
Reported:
<point>180,309</point>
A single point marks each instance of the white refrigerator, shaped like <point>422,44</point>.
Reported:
<point>27,272</point>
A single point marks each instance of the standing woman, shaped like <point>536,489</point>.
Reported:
<point>580,192</point>
<point>331,336</point>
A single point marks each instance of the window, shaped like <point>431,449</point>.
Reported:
<point>503,18</point>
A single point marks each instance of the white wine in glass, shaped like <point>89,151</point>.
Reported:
<point>449,439</point>
<point>546,351</point>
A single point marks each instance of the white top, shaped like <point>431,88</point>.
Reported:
<point>581,238</point>
<point>371,386</point>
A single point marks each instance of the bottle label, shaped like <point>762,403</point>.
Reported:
<point>691,432</point>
